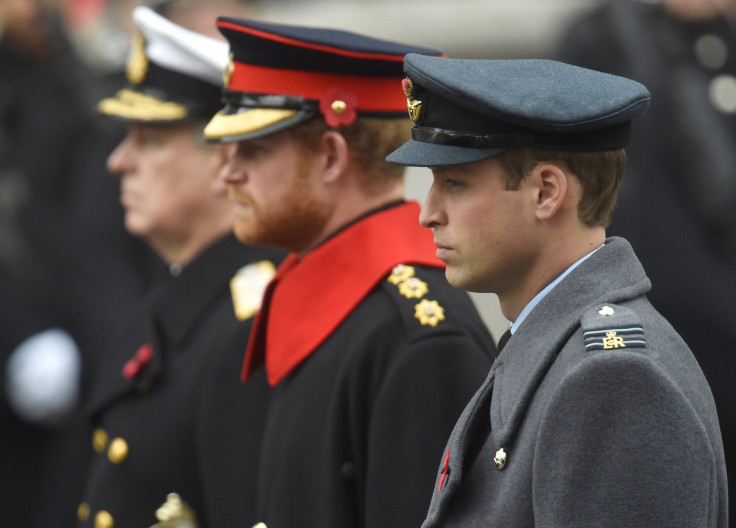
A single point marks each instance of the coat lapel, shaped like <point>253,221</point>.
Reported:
<point>450,473</point>
<point>523,363</point>
<point>165,319</point>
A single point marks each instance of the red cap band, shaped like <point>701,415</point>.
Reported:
<point>375,94</point>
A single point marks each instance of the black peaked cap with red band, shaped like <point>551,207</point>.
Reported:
<point>280,75</point>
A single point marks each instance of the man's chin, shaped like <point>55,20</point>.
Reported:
<point>256,238</point>
<point>245,236</point>
<point>453,277</point>
<point>460,280</point>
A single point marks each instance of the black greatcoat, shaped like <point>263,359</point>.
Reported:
<point>357,422</point>
<point>189,424</point>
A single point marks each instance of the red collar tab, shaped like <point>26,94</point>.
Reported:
<point>308,299</point>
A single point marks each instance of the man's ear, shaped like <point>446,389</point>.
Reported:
<point>551,182</point>
<point>336,155</point>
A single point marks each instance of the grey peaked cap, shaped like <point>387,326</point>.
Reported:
<point>473,109</point>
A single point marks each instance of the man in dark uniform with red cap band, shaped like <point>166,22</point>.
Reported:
<point>360,333</point>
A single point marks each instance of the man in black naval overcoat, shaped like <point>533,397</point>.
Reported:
<point>595,412</point>
<point>371,353</point>
<point>173,424</point>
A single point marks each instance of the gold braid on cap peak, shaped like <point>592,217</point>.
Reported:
<point>130,104</point>
<point>222,125</point>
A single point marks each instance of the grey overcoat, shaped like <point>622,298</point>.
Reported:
<point>594,414</point>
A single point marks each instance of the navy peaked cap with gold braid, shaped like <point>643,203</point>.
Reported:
<point>174,74</point>
<point>466,110</point>
<point>281,75</point>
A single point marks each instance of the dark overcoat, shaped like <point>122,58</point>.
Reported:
<point>169,410</point>
<point>594,414</point>
<point>356,426</point>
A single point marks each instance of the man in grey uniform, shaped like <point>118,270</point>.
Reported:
<point>595,412</point>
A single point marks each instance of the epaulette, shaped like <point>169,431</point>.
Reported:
<point>248,285</point>
<point>612,327</point>
<point>425,310</point>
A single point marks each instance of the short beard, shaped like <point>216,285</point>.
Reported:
<point>295,224</point>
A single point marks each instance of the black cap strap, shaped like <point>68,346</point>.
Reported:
<point>462,139</point>
<point>610,138</point>
<point>250,100</point>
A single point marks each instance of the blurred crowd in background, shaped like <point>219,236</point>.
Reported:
<point>68,269</point>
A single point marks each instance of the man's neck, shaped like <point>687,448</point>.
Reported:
<point>557,257</point>
<point>351,209</point>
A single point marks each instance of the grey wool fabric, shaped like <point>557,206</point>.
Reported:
<point>466,110</point>
<point>603,414</point>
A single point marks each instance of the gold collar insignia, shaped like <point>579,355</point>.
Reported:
<point>248,285</point>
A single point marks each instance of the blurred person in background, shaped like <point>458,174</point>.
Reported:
<point>370,353</point>
<point>173,424</point>
<point>676,205</point>
<point>68,269</point>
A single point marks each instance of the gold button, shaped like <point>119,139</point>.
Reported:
<point>83,512</point>
<point>99,440</point>
<point>260,525</point>
<point>722,93</point>
<point>103,520</point>
<point>118,450</point>
<point>339,108</point>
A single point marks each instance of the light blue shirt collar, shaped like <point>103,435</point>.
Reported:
<point>538,297</point>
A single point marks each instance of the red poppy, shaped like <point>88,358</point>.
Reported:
<point>339,107</point>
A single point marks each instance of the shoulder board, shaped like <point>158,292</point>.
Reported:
<point>611,327</point>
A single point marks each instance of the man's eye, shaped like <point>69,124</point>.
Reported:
<point>151,137</point>
<point>249,151</point>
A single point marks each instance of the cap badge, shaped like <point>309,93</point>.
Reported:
<point>414,106</point>
<point>429,313</point>
<point>227,75</point>
<point>339,107</point>
<point>138,62</point>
